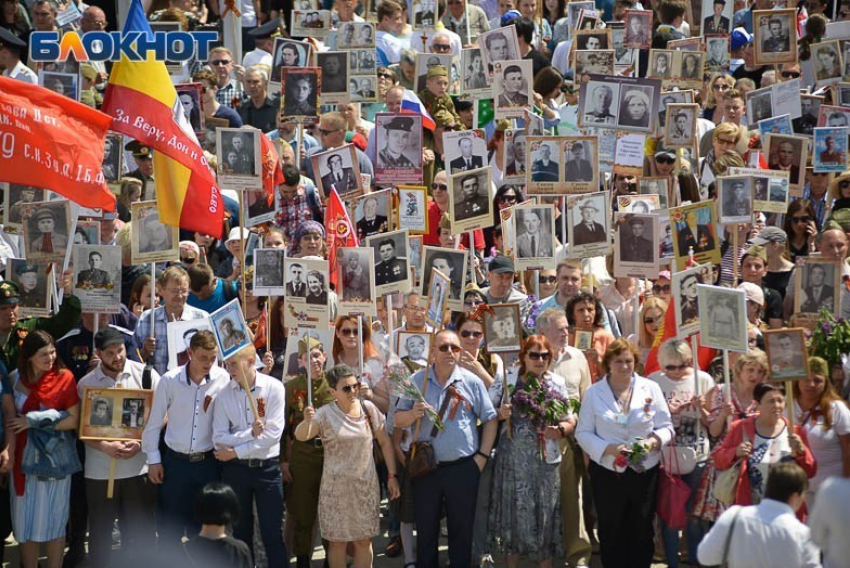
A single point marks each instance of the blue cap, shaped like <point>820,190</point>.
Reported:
<point>510,16</point>
<point>740,38</point>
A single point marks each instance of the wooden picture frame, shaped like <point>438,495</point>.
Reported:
<point>114,414</point>
<point>787,355</point>
<point>503,328</point>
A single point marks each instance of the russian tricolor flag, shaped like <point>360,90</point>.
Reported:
<point>410,104</point>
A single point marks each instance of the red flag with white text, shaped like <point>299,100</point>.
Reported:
<point>340,231</point>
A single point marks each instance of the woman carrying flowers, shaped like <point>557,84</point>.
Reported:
<point>623,423</point>
<point>525,511</point>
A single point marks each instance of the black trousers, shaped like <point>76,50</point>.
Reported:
<point>625,507</point>
<point>454,486</point>
<point>134,505</point>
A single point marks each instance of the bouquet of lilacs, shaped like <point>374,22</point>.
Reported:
<point>541,405</point>
<point>401,386</point>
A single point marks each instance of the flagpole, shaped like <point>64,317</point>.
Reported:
<point>242,246</point>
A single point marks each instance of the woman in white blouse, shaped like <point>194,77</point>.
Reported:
<point>619,413</point>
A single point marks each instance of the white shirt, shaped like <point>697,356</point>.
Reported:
<point>829,520</point>
<point>257,57</point>
<point>233,417</point>
<point>390,45</point>
<point>599,422</point>
<point>98,462</point>
<point>573,367</point>
<point>22,73</point>
<point>766,535</point>
<point>825,444</point>
<point>189,408</point>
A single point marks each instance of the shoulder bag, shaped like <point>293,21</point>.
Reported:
<point>726,483</point>
<point>422,460</point>
<point>673,494</point>
<point>377,453</point>
<point>678,460</point>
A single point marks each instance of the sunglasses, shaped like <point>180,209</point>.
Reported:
<point>446,347</point>
<point>348,389</point>
<point>349,331</point>
<point>658,288</point>
<point>187,260</point>
<point>804,219</point>
<point>385,76</point>
<point>539,356</point>
<point>664,160</point>
<point>508,199</point>
<point>441,47</point>
<point>466,334</point>
<point>671,368</point>
<point>547,279</point>
<point>844,184</point>
<point>650,321</point>
<point>221,62</point>
<point>440,186</point>
<point>790,74</point>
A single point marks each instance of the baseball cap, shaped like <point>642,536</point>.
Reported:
<point>510,16</point>
<point>500,265</point>
<point>770,235</point>
<point>753,292</point>
<point>740,38</point>
<point>108,337</point>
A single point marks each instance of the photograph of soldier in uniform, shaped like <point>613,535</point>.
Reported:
<point>31,279</point>
<point>775,34</point>
<point>452,263</point>
<point>638,28</point>
<point>578,166</point>
<point>46,231</point>
<point>830,154</point>
<point>467,160</point>
<point>370,214</point>
<point>544,165</point>
<point>759,106</point>
<point>334,66</point>
<point>636,242</point>
<point>512,84</point>
<point>94,276</point>
<point>337,169</point>
<point>786,354</point>
<point>502,329</point>
<point>268,272</point>
<point>237,151</point>
<point>391,259</point>
<point>736,198</point>
<point>716,22</point>
<point>777,39</point>
<point>680,129</point>
<point>17,199</point>
<point>61,83</point>
<point>301,98</point>
<point>818,287</point>
<point>598,105</point>
<point>355,275</point>
<point>717,49</point>
<point>399,143</point>
<point>469,196</point>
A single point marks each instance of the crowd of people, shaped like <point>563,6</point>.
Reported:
<point>588,427</point>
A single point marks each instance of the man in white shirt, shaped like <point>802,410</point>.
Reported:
<point>768,534</point>
<point>185,396</point>
<point>264,42</point>
<point>390,21</point>
<point>829,520</point>
<point>250,448</point>
<point>134,498</point>
<point>10,58</point>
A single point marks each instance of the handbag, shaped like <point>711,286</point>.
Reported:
<point>422,459</point>
<point>726,483</point>
<point>673,494</point>
<point>679,460</point>
<point>377,452</point>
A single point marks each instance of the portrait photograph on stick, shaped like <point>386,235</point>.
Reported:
<point>723,321</point>
<point>179,335</point>
<point>338,169</point>
<point>512,88</point>
<point>438,296</point>
<point>112,414</point>
<point>638,28</point>
<point>790,154</point>
<point>33,283</point>
<point>399,147</point>
<point>544,153</point>
<point>515,164</point>
<point>151,240</point>
<point>18,201</point>
<point>356,281</point>
<point>588,225</point>
<point>239,158</point>
<point>47,227</point>
<point>453,264</point>
<point>535,237</point>
<point>301,96</point>
<point>681,125</point>
<point>231,331</point>
<point>683,287</point>
<point>268,272</point>
<point>775,34</point>
<point>414,348</point>
<point>465,150</point>
<point>735,196</point>
<point>288,53</point>
<point>311,23</point>
<point>817,283</point>
<point>97,278</point>
<point>334,76</point>
<point>372,213</point>
<point>502,328</point>
<point>636,245</point>
<point>580,163</point>
<point>411,212</point>
<point>787,355</point>
<point>469,200</point>
<point>392,263</point>
<point>498,45</point>
<point>307,295</point>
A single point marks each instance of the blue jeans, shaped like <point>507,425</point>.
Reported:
<point>694,530</point>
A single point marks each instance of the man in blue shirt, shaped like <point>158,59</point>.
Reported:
<point>208,292</point>
<point>462,399</point>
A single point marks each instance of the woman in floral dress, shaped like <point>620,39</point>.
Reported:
<point>750,370</point>
<point>525,508</point>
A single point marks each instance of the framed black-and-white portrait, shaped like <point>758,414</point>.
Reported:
<point>600,62</point>
<point>310,23</point>
<point>681,126</point>
<point>817,284</point>
<point>775,34</point>
<point>637,108</point>
<point>544,152</point>
<point>438,297</point>
<point>686,298</point>
<point>641,204</point>
<point>362,62</point>
<point>600,103</point>
<point>66,84</point>
<point>423,15</point>
<point>33,283</point>
<point>114,414</point>
<point>592,40</point>
<point>716,17</point>
<point>231,331</point>
<point>502,328</point>
<point>636,246</point>
<point>392,262</point>
<point>334,77</point>
<point>289,53</point>
<point>669,98</point>
<point>112,158</point>
<point>655,186</point>
<point>372,213</point>
<point>787,153</point>
<point>411,212</point>
<point>638,28</point>
<point>828,62</point>
<point>414,348</point>
<point>356,281</point>
<point>624,57</point>
<point>534,227</point>
<point>338,169</point>
<point>717,53</point>
<point>362,88</point>
<point>18,200</point>
<point>469,200</point>
<point>307,293</point>
<point>398,139</point>
<point>770,192</point>
<point>514,165</point>
<point>581,171</point>
<point>688,69</point>
<point>240,164</point>
<point>356,35</point>
<point>723,324</point>
<point>588,224</point>
<point>787,355</point>
<point>191,102</point>
<point>453,264</point>
<point>759,105</point>
<point>498,45</point>
<point>574,10</point>
<point>474,76</point>
<point>259,207</point>
<point>465,150</point>
<point>97,278</point>
<point>425,61</point>
<point>512,88</point>
<point>833,116</point>
<point>47,227</point>
<point>301,96</point>
<point>660,64</point>
<point>268,272</point>
<point>150,239</point>
<point>735,196</point>
<point>179,334</point>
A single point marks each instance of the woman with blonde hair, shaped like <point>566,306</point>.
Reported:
<point>718,85</point>
<point>651,318</point>
<point>750,369</point>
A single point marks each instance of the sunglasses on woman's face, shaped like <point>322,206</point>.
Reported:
<point>440,186</point>
<point>547,279</point>
<point>508,199</point>
<point>348,389</point>
<point>664,160</point>
<point>671,368</point>
<point>657,289</point>
<point>466,334</point>
<point>187,260</point>
<point>539,355</point>
<point>348,331</point>
<point>790,74</point>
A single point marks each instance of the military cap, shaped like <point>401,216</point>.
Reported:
<point>45,212</point>
<point>9,293</point>
<point>138,149</point>
<point>25,267</point>
<point>272,28</point>
<point>637,221</point>
<point>8,39</point>
<point>438,71</point>
<point>312,342</point>
<point>404,123</point>
<point>462,104</point>
<point>88,72</point>
<point>757,251</point>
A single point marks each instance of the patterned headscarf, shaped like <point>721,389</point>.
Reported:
<point>304,229</point>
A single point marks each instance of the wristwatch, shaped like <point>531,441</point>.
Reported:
<point>483,455</point>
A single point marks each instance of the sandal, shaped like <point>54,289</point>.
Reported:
<point>394,548</point>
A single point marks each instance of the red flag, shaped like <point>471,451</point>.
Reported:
<point>340,231</point>
<point>272,172</point>
<point>51,141</point>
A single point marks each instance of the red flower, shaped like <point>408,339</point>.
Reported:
<point>621,461</point>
